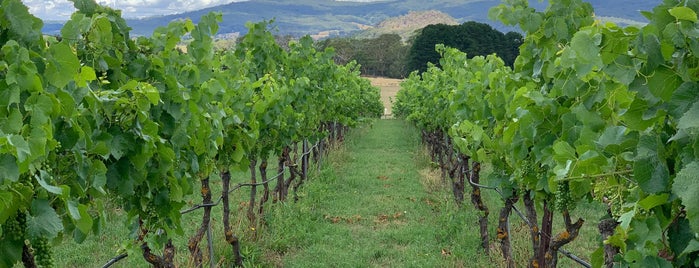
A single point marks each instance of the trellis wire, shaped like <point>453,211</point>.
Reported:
<point>218,201</point>
<point>519,213</point>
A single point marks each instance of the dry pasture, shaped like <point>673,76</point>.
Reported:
<point>389,87</point>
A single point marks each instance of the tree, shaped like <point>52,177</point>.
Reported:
<point>473,38</point>
<point>381,56</point>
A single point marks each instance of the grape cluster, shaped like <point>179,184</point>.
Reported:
<point>564,201</point>
<point>15,227</point>
<point>42,252</point>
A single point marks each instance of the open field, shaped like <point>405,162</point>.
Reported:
<point>389,87</point>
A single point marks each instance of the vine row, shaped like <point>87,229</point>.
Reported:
<point>96,114</point>
<point>591,111</point>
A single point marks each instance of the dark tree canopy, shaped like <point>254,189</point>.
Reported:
<point>381,56</point>
<point>473,38</point>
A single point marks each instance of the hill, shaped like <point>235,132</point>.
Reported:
<point>301,17</point>
<point>407,25</point>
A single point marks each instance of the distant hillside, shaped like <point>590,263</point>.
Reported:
<point>406,25</point>
<point>301,17</point>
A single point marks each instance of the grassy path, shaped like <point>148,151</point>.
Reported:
<point>385,210</point>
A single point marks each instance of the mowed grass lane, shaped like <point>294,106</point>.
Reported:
<point>378,204</point>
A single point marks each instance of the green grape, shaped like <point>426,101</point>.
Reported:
<point>563,199</point>
<point>42,252</point>
<point>15,227</point>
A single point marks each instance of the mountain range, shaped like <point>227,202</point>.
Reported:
<point>301,17</point>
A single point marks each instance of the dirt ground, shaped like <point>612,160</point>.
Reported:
<point>389,87</point>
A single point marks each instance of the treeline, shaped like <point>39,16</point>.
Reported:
<point>387,55</point>
<point>382,56</point>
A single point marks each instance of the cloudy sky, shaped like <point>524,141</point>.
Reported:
<point>61,9</point>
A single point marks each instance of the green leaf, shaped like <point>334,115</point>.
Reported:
<point>650,171</point>
<point>11,252</point>
<point>8,168</point>
<point>663,83</point>
<point>81,218</point>
<point>683,13</point>
<point>683,98</point>
<point>597,257</point>
<point>585,45</point>
<point>87,74</point>
<point>680,234</point>
<point>625,219</point>
<point>99,174</point>
<point>686,187</point>
<point>43,220</point>
<point>563,151</point>
<point>43,176</point>
<point>622,69</point>
<point>21,24</point>
<point>653,201</point>
<point>86,6</point>
<point>238,153</point>
<point>101,32</point>
<point>72,28</point>
<point>151,93</point>
<point>614,139</point>
<point>692,247</point>
<point>13,123</point>
<point>119,146</point>
<point>40,107</point>
<point>21,148</point>
<point>62,66</point>
<point>690,119</point>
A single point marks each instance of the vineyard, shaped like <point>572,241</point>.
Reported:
<point>159,127</point>
<point>96,115</point>
<point>591,111</point>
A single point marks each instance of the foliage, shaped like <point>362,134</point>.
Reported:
<point>607,111</point>
<point>384,55</point>
<point>473,38</point>
<point>96,113</point>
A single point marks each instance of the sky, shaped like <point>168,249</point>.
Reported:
<point>62,9</point>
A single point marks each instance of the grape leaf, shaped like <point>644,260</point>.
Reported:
<point>691,118</point>
<point>683,13</point>
<point>653,200</point>
<point>43,221</point>
<point>62,66</point>
<point>650,171</point>
<point>663,83</point>
<point>8,168</point>
<point>686,186</point>
<point>50,188</point>
<point>22,25</point>
<point>21,148</point>
<point>13,123</point>
<point>81,218</point>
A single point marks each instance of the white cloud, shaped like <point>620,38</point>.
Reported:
<point>62,9</point>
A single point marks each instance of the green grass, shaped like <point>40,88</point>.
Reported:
<point>377,201</point>
<point>378,205</point>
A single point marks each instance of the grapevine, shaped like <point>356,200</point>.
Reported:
<point>604,112</point>
<point>96,113</point>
